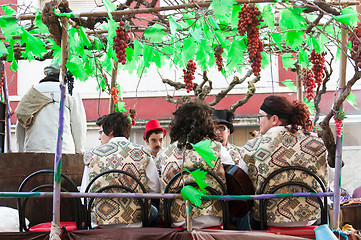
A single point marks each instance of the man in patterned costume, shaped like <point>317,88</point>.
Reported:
<point>192,123</point>
<point>116,152</point>
<point>285,141</point>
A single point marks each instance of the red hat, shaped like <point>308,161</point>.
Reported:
<point>153,125</point>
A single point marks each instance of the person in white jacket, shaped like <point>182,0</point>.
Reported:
<point>38,116</point>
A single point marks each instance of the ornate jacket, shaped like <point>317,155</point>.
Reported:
<point>280,148</point>
<point>122,155</point>
<point>173,160</point>
<point>235,153</point>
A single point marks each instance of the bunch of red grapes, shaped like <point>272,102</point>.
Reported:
<point>318,62</point>
<point>119,43</point>
<point>338,124</point>
<point>309,83</point>
<point>133,115</point>
<point>189,75</point>
<point>354,38</point>
<point>218,54</point>
<point>249,21</point>
<point>115,95</point>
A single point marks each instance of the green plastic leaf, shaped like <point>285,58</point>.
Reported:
<point>200,177</point>
<point>288,61</point>
<point>3,49</point>
<point>8,10</point>
<point>194,195</point>
<point>212,22</point>
<point>138,49</point>
<point>277,38</point>
<point>39,24</point>
<point>351,99</point>
<point>197,34</point>
<point>68,15</point>
<point>291,18</point>
<point>189,49</point>
<point>315,44</point>
<point>221,7</point>
<point>294,39</point>
<point>203,148</point>
<point>174,26</point>
<point>83,38</point>
<point>221,38</point>
<point>110,7</point>
<point>348,16</point>
<point>268,17</point>
<point>303,58</point>
<point>289,83</point>
<point>265,60</point>
<point>8,26</point>
<point>75,66</point>
<point>234,18</point>
<point>33,44</point>
<point>202,56</point>
<point>236,52</point>
<point>155,33</point>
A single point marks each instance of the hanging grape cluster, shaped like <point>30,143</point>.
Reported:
<point>133,115</point>
<point>249,21</point>
<point>115,95</point>
<point>318,62</point>
<point>189,75</point>
<point>338,123</point>
<point>218,54</point>
<point>120,43</point>
<point>309,83</point>
<point>354,38</point>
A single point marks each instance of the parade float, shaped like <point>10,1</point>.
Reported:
<point>236,38</point>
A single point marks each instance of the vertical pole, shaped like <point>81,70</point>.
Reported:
<point>338,155</point>
<point>113,84</point>
<point>55,228</point>
<point>7,111</point>
<point>299,83</point>
<point>189,215</point>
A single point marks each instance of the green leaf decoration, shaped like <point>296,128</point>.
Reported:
<point>174,26</point>
<point>8,26</point>
<point>155,33</point>
<point>138,49</point>
<point>8,10</point>
<point>351,99</point>
<point>288,61</point>
<point>39,24</point>
<point>265,60</point>
<point>200,177</point>
<point>268,17</point>
<point>234,18</point>
<point>294,39</point>
<point>340,114</point>
<point>194,195</point>
<point>315,44</point>
<point>83,38</point>
<point>289,83</point>
<point>322,40</point>
<point>68,15</point>
<point>203,148</point>
<point>110,7</point>
<point>189,49</point>
<point>75,66</point>
<point>290,18</point>
<point>3,49</point>
<point>236,52</point>
<point>213,23</point>
<point>277,38</point>
<point>221,7</point>
<point>33,44</point>
<point>202,56</point>
<point>221,39</point>
<point>348,16</point>
<point>303,58</point>
<point>197,34</point>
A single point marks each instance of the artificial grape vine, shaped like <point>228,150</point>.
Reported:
<point>309,83</point>
<point>218,54</point>
<point>120,43</point>
<point>249,21</point>
<point>318,62</point>
<point>355,41</point>
<point>115,95</point>
<point>189,75</point>
<point>133,115</point>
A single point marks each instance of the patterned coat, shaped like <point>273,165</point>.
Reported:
<point>122,155</point>
<point>235,153</point>
<point>171,162</point>
<point>279,148</point>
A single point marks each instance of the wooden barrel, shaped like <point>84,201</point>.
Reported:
<point>15,167</point>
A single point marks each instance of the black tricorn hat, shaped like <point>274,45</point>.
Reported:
<point>224,117</point>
